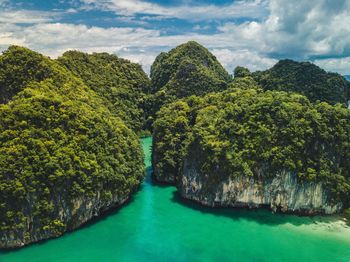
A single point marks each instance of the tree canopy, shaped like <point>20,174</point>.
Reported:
<point>189,69</point>
<point>68,127</point>
<point>123,85</point>
<point>307,79</point>
<point>249,132</point>
<point>58,143</point>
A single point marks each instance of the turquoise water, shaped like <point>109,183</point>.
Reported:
<point>157,226</point>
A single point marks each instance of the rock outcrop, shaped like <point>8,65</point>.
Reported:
<point>282,193</point>
<point>73,214</point>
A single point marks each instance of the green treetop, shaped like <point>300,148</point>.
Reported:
<point>307,79</point>
<point>123,85</point>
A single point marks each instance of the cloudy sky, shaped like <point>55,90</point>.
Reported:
<point>251,33</point>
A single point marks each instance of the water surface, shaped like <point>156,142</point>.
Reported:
<point>157,226</point>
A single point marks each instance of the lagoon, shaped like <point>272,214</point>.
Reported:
<point>156,225</point>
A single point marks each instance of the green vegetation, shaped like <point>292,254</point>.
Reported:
<point>241,72</point>
<point>59,144</point>
<point>19,67</point>
<point>189,69</point>
<point>307,79</point>
<point>170,138</point>
<point>68,128</point>
<point>248,132</point>
<point>123,85</point>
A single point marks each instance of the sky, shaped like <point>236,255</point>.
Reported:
<point>250,33</point>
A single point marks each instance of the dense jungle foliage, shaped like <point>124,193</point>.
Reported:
<point>58,143</point>
<point>254,133</point>
<point>189,69</point>
<point>307,79</point>
<point>122,84</point>
<point>67,126</point>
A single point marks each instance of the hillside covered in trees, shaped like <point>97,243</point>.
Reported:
<point>70,128</point>
<point>121,84</point>
<point>307,79</point>
<point>244,132</point>
<point>266,126</point>
<point>189,69</point>
<point>64,156</point>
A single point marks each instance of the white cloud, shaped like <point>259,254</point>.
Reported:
<point>200,27</point>
<point>294,29</point>
<point>26,16</point>
<point>8,37</point>
<point>339,65</point>
<point>298,28</point>
<point>250,59</point>
<point>248,8</point>
<point>306,28</point>
<point>144,59</point>
<point>71,11</point>
<point>55,38</point>
<point>129,20</point>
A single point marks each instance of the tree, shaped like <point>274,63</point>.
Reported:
<point>59,144</point>
<point>248,132</point>
<point>189,69</point>
<point>307,79</point>
<point>123,85</point>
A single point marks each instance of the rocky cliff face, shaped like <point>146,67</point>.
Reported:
<point>282,193</point>
<point>72,215</point>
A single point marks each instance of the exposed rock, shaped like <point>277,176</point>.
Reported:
<point>73,214</point>
<point>282,193</point>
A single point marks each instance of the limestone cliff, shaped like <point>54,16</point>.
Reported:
<point>72,214</point>
<point>282,193</point>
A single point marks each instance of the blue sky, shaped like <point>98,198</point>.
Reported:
<point>251,33</point>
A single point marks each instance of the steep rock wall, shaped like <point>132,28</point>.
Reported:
<point>282,193</point>
<point>73,214</point>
